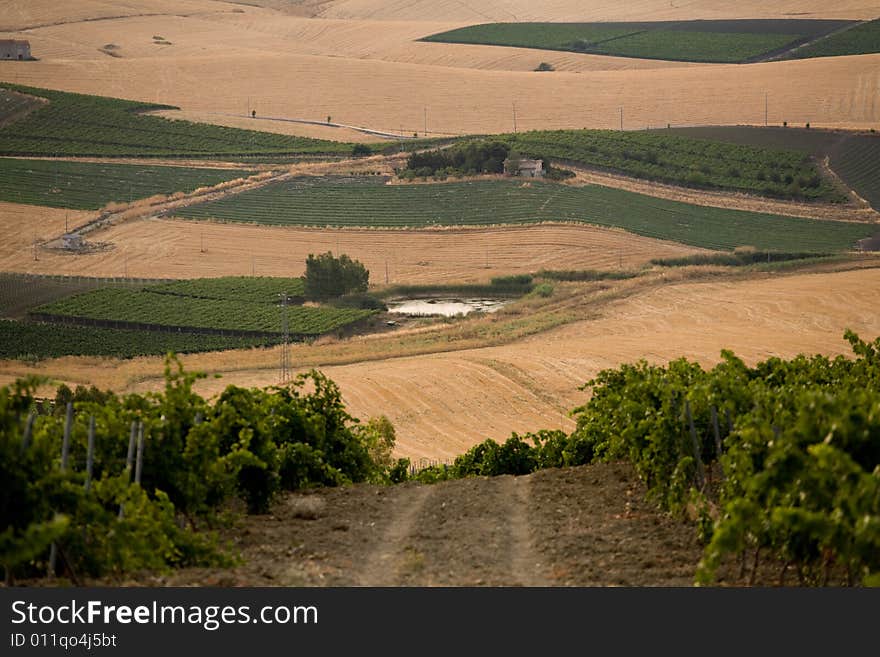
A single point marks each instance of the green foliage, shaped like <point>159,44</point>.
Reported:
<point>369,202</point>
<point>800,454</point>
<point>329,277</point>
<point>545,66</point>
<point>197,457</point>
<point>464,158</point>
<point>89,186</point>
<point>361,150</point>
<point>76,124</point>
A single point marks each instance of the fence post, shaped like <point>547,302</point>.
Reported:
<point>129,460</point>
<point>701,473</point>
<point>717,432</point>
<point>140,454</point>
<point>65,455</point>
<point>28,429</point>
<point>90,455</point>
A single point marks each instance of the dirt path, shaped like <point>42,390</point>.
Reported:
<point>383,565</point>
<point>526,566</point>
<point>585,526</point>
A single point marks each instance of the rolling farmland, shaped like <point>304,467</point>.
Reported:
<point>695,41</point>
<point>83,125</point>
<point>367,202</point>
<point>855,157</point>
<point>89,186</point>
<point>664,157</point>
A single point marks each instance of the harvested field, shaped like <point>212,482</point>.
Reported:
<point>21,225</point>
<point>390,82</point>
<point>443,403</point>
<point>572,10</point>
<point>412,256</point>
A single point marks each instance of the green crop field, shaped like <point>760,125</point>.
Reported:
<point>858,40</point>
<point>328,202</point>
<point>679,160</point>
<point>76,124</point>
<point>728,41</point>
<point>31,340</point>
<point>88,185</point>
<point>147,307</point>
<point>855,157</point>
<point>262,289</point>
<point>20,293</point>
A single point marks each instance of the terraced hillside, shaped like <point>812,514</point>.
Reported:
<point>329,201</point>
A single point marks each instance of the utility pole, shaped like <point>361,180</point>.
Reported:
<point>514,117</point>
<point>621,119</point>
<point>426,121</point>
<point>766,102</point>
<point>386,271</point>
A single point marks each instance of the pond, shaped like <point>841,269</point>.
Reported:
<point>444,306</point>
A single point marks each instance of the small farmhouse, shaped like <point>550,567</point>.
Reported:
<point>15,49</point>
<point>524,168</point>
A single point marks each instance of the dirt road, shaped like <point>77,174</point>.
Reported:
<point>586,526</point>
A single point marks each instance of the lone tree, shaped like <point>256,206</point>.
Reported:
<point>328,277</point>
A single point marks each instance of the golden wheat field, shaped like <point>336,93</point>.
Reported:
<point>442,403</point>
<point>189,249</point>
<point>359,63</point>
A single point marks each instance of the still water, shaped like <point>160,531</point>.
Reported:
<point>446,307</point>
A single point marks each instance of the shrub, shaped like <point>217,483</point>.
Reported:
<point>545,66</point>
<point>328,277</point>
<point>360,150</point>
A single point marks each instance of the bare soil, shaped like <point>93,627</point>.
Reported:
<point>585,526</point>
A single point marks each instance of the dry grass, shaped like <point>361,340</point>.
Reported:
<point>173,249</point>
<point>383,79</point>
